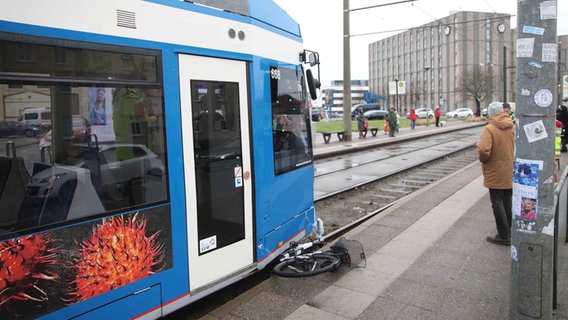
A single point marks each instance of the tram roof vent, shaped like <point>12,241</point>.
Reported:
<point>126,19</point>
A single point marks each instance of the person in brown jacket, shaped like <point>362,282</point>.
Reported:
<point>496,148</point>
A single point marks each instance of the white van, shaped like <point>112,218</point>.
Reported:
<point>40,117</point>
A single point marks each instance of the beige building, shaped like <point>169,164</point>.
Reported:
<point>333,95</point>
<point>433,58</point>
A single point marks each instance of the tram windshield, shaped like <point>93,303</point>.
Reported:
<point>290,119</point>
<point>83,146</point>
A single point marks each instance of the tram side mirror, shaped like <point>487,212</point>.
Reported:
<point>313,59</point>
<point>313,84</point>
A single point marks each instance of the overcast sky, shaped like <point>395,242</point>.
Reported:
<point>321,22</point>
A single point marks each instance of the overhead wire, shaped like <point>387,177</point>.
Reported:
<point>440,22</point>
<point>427,27</point>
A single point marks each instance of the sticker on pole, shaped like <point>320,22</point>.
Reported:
<point>525,47</point>
<point>525,196</point>
<point>549,52</point>
<point>543,98</point>
<point>535,131</point>
<point>548,10</point>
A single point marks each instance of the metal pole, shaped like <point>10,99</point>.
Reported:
<point>504,74</point>
<point>396,94</point>
<point>532,240</point>
<point>427,96</point>
<point>347,64</point>
<point>346,74</point>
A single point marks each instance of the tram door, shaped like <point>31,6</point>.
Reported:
<point>214,103</point>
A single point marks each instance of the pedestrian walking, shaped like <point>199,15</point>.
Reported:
<point>391,118</point>
<point>412,116</point>
<point>397,121</point>
<point>437,114</point>
<point>496,154</point>
<point>507,108</point>
<point>361,123</point>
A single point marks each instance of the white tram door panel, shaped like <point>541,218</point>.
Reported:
<point>214,109</point>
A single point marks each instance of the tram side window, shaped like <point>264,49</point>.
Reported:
<point>98,149</point>
<point>290,125</point>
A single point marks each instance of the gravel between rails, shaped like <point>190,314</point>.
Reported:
<point>346,207</point>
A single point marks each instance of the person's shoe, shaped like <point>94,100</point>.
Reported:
<point>498,240</point>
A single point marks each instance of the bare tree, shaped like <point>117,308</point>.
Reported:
<point>477,83</point>
<point>417,94</point>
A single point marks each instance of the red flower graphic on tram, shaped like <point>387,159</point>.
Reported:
<point>24,265</point>
<point>117,252</point>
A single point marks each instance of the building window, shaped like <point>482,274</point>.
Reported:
<point>60,55</point>
<point>25,52</point>
<point>126,62</point>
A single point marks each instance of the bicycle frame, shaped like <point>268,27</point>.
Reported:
<point>295,262</point>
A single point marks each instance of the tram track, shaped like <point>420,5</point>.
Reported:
<point>347,209</point>
<point>435,144</point>
<point>341,173</point>
<point>347,206</point>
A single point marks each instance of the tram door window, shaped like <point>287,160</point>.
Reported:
<point>218,158</point>
<point>290,124</point>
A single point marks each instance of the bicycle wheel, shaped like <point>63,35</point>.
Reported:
<point>306,265</point>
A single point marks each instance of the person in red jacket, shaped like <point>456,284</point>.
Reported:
<point>412,116</point>
<point>437,114</point>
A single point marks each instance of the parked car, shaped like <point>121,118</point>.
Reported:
<point>484,111</point>
<point>375,114</point>
<point>365,106</point>
<point>423,113</point>
<point>316,113</point>
<point>10,128</point>
<point>127,161</point>
<point>336,116</point>
<point>118,164</point>
<point>460,112</point>
<point>40,117</point>
<point>512,104</point>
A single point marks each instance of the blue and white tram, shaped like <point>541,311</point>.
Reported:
<point>174,156</point>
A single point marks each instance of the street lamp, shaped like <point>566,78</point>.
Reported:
<point>505,67</point>
<point>396,93</point>
<point>426,69</point>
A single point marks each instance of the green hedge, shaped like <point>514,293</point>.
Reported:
<point>337,125</point>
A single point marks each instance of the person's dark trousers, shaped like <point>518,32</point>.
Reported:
<point>391,131</point>
<point>437,121</point>
<point>501,201</point>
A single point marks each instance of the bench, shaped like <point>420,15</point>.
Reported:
<point>327,135</point>
<point>373,131</point>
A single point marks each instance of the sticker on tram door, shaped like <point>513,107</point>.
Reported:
<point>238,177</point>
<point>207,244</point>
